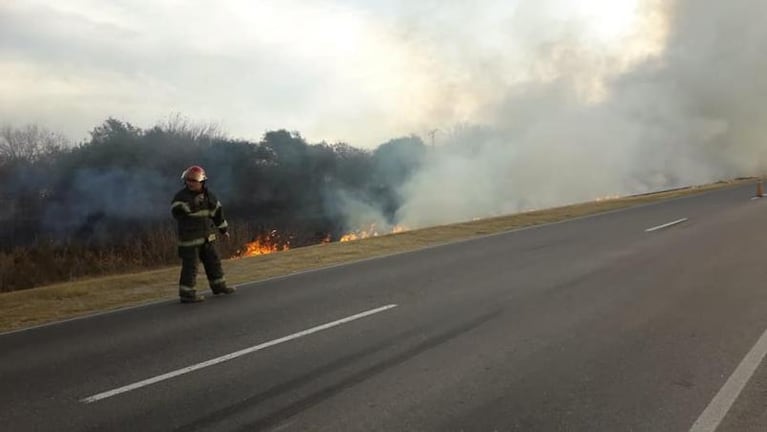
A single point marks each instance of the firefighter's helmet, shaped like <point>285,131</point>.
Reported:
<point>194,172</point>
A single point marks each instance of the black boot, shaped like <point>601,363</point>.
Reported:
<point>222,288</point>
<point>190,295</point>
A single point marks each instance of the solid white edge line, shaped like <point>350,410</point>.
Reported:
<point>719,406</point>
<point>678,221</point>
<point>233,355</point>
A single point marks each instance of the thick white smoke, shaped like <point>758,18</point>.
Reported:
<point>677,102</point>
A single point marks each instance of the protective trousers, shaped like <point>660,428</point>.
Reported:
<point>211,262</point>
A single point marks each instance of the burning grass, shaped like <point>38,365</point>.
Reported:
<point>44,304</point>
<point>263,245</point>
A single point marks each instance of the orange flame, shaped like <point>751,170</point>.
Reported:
<point>370,231</point>
<point>270,243</point>
<point>263,245</point>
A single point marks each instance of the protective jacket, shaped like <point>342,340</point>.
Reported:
<point>199,216</point>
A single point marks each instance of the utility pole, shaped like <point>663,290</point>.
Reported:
<point>432,133</point>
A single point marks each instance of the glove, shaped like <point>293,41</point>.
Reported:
<point>197,202</point>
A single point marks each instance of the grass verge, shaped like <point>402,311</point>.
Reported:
<point>35,306</point>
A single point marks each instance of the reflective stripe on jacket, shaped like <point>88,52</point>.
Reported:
<point>199,216</point>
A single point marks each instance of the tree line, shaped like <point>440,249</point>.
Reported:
<point>110,194</point>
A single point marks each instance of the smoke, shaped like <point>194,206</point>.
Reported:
<point>537,104</point>
<point>675,101</point>
<point>96,198</point>
<point>356,212</point>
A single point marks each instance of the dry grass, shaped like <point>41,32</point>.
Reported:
<point>20,309</point>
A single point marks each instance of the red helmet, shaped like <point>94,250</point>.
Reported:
<point>194,172</point>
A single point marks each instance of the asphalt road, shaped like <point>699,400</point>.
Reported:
<point>594,324</point>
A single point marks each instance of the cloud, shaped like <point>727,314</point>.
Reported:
<point>321,68</point>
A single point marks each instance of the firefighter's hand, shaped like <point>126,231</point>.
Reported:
<point>197,203</point>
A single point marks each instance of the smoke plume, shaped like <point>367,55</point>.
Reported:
<point>677,101</point>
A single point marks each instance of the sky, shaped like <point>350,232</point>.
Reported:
<point>535,103</point>
<point>357,71</point>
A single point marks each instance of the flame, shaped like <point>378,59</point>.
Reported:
<point>371,231</point>
<point>271,243</point>
<point>263,245</point>
<point>398,229</point>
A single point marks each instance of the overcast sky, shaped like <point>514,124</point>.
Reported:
<point>359,71</point>
<point>538,102</point>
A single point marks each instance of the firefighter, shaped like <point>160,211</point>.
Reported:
<point>199,215</point>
